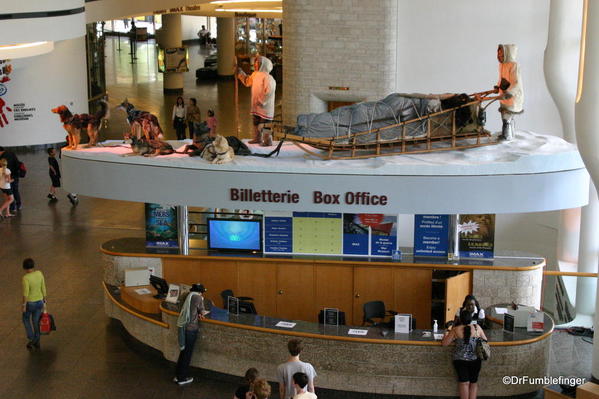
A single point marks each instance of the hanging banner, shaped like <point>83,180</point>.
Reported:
<point>431,235</point>
<point>355,235</point>
<point>477,235</point>
<point>278,234</point>
<point>161,226</point>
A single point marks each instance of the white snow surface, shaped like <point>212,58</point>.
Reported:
<point>528,153</point>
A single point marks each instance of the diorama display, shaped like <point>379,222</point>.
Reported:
<point>73,124</point>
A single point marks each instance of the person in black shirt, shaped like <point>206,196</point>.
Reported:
<point>54,170</point>
<point>13,166</point>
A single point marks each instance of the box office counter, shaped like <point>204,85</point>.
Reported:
<point>407,364</point>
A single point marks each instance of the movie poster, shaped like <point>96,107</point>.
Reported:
<point>369,234</point>
<point>431,235</point>
<point>477,235</point>
<point>161,226</point>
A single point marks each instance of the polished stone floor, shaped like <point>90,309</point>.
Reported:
<point>90,356</point>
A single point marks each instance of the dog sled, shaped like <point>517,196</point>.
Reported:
<point>398,124</point>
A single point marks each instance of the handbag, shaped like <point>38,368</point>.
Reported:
<point>483,349</point>
<point>46,323</point>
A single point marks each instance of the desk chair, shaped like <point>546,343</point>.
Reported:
<point>376,310</point>
<point>245,304</point>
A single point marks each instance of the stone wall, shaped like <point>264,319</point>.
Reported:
<point>339,43</point>
<point>500,286</point>
<point>114,267</point>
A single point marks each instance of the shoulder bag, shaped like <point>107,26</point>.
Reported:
<point>483,349</point>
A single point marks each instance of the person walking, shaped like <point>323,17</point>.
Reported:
<point>54,171</point>
<point>465,360</point>
<point>285,371</point>
<point>179,115</point>
<point>192,312</point>
<point>34,299</point>
<point>14,166</point>
<point>5,180</point>
<point>193,116</point>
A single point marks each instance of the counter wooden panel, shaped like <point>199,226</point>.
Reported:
<point>257,281</point>
<point>144,303</point>
<point>299,290</point>
<point>589,390</point>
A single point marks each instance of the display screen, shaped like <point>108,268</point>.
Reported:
<point>234,234</point>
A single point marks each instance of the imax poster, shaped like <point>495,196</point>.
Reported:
<point>161,226</point>
<point>477,235</point>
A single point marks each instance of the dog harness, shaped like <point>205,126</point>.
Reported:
<point>210,150</point>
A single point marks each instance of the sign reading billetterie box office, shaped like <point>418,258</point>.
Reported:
<point>161,226</point>
<point>431,235</point>
<point>477,235</point>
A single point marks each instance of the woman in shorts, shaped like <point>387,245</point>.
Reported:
<point>5,180</point>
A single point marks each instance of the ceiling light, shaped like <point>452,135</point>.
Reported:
<point>244,1</point>
<point>278,10</point>
<point>23,50</point>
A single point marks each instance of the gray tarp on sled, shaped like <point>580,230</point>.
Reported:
<point>393,109</point>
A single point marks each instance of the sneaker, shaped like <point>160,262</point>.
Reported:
<point>50,196</point>
<point>73,198</point>
<point>29,344</point>
<point>186,381</point>
<point>36,344</point>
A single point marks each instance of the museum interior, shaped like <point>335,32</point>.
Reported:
<point>204,184</point>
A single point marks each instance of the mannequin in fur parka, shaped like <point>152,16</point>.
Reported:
<point>509,87</point>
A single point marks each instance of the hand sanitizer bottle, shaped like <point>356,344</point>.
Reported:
<point>435,327</point>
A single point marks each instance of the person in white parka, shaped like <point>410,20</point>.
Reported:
<point>509,87</point>
<point>263,98</point>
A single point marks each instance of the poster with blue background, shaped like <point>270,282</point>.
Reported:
<point>278,234</point>
<point>431,235</point>
<point>161,226</point>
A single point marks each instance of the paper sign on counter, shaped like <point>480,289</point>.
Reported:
<point>285,324</point>
<point>355,331</point>
<point>143,291</point>
<point>438,336</point>
<point>501,310</point>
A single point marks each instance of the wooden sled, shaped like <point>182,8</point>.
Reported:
<point>441,134</point>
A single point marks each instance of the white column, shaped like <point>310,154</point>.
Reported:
<point>170,37</point>
<point>587,118</point>
<point>225,42</point>
<point>183,229</point>
<point>588,257</point>
<point>561,59</point>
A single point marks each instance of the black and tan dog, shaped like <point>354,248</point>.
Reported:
<point>136,118</point>
<point>73,124</point>
<point>148,148</point>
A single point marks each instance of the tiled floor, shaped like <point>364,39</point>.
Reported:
<point>90,356</point>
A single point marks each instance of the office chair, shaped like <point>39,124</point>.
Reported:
<point>376,309</point>
<point>245,304</point>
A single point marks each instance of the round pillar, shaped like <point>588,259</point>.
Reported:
<point>587,117</point>
<point>170,37</point>
<point>588,257</point>
<point>561,59</point>
<point>225,42</point>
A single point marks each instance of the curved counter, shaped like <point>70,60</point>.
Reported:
<point>532,173</point>
<point>401,364</point>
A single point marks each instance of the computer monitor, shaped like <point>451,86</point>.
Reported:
<point>235,235</point>
<point>159,285</point>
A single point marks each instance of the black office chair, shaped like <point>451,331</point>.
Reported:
<point>245,304</point>
<point>376,310</point>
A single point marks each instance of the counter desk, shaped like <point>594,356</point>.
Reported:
<point>400,364</point>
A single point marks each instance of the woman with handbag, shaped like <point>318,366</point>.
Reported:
<point>34,298</point>
<point>465,359</point>
<point>179,116</point>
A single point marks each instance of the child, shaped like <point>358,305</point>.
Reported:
<point>55,178</point>
<point>300,383</point>
<point>5,180</point>
<point>211,121</point>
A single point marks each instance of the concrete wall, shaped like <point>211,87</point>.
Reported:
<point>39,84</point>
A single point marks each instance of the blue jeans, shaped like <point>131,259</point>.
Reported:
<point>31,320</point>
<point>182,369</point>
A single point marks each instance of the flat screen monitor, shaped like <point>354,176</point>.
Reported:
<point>235,235</point>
